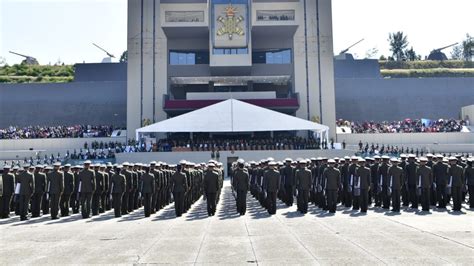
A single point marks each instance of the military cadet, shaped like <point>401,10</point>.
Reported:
<point>404,189</point>
<point>440,176</point>
<point>456,182</point>
<point>241,185</point>
<point>178,186</point>
<point>8,182</point>
<point>469,175</point>
<point>75,201</point>
<point>40,188</point>
<point>271,181</point>
<point>384,181</point>
<point>147,189</point>
<point>155,199</point>
<point>110,172</point>
<point>105,189</point>
<point>86,188</point>
<point>133,199</point>
<point>348,180</point>
<point>55,189</point>
<point>99,189</point>
<point>346,192</point>
<point>322,184</point>
<point>210,188</point>
<point>425,181</point>
<point>412,179</point>
<point>45,201</point>
<point>376,189</point>
<point>288,181</point>
<point>303,180</point>
<point>332,177</point>
<point>68,189</point>
<point>127,193</point>
<point>27,187</point>
<point>362,182</point>
<point>397,179</point>
<point>117,188</point>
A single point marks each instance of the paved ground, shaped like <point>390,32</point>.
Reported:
<point>439,237</point>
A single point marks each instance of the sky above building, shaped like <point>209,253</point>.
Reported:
<point>64,30</point>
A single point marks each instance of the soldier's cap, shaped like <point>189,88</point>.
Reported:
<point>411,155</point>
<point>361,160</point>
<point>423,159</point>
<point>87,162</point>
<point>16,167</point>
<point>302,161</point>
<point>452,158</point>
<point>67,165</point>
<point>189,163</point>
<point>109,164</point>
<point>439,156</point>
<point>118,166</point>
<point>385,157</point>
<point>403,155</point>
<point>458,155</point>
<point>394,160</point>
<point>152,162</point>
<point>324,159</point>
<point>369,158</point>
<point>6,166</point>
<point>182,162</point>
<point>57,164</point>
<point>48,167</point>
<point>470,159</point>
<point>429,155</point>
<point>272,163</point>
<point>39,166</point>
<point>331,161</point>
<point>313,159</point>
<point>336,159</point>
<point>288,160</point>
<point>211,165</point>
<point>376,157</point>
<point>347,157</point>
<point>252,162</point>
<point>103,166</point>
<point>240,161</point>
<point>353,158</point>
<point>269,159</point>
<point>319,159</point>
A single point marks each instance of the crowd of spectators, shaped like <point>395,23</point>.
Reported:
<point>43,132</point>
<point>405,126</point>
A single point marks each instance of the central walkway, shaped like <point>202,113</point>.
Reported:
<point>287,237</point>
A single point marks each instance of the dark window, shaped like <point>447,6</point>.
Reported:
<point>281,56</point>
<point>219,51</point>
<point>189,57</point>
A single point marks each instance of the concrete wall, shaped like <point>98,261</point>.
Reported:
<point>467,112</point>
<point>397,99</point>
<point>100,72</point>
<point>93,103</point>
<point>408,138</point>
<point>366,68</point>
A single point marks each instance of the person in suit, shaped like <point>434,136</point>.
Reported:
<point>397,179</point>
<point>271,181</point>
<point>86,188</point>
<point>303,180</point>
<point>55,189</point>
<point>68,189</point>
<point>332,177</point>
<point>40,189</point>
<point>210,188</point>
<point>117,188</point>
<point>178,187</point>
<point>241,184</point>
<point>27,187</point>
<point>8,182</point>
<point>456,182</point>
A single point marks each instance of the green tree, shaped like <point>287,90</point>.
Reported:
<point>398,43</point>
<point>457,52</point>
<point>124,57</point>
<point>411,55</point>
<point>468,48</point>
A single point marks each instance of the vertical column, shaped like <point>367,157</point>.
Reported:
<point>147,59</point>
<point>161,65</point>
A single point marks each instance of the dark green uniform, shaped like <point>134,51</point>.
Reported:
<point>332,177</point>
<point>303,180</point>
<point>271,180</point>
<point>241,185</point>
<point>55,189</point>
<point>397,179</point>
<point>117,188</point>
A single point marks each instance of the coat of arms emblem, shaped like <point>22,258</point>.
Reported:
<point>230,23</point>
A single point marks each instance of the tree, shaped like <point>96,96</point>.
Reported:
<point>124,57</point>
<point>457,52</point>
<point>468,48</point>
<point>398,43</point>
<point>411,55</point>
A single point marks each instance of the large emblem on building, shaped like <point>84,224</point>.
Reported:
<point>230,26</point>
<point>230,23</point>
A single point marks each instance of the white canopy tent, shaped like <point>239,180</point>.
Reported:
<point>234,116</point>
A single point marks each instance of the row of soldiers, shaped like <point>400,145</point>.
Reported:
<point>97,188</point>
<point>360,182</point>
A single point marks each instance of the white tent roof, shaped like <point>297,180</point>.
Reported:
<point>232,116</point>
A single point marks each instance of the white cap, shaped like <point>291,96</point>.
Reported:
<point>57,164</point>
<point>87,162</point>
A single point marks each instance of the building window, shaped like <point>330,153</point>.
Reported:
<point>275,15</point>
<point>184,16</point>
<point>228,51</point>
<point>189,57</point>
<point>281,56</point>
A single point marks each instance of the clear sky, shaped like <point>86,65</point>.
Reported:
<point>64,30</point>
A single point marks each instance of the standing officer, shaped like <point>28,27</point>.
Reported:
<point>147,189</point>
<point>303,180</point>
<point>178,187</point>
<point>117,188</point>
<point>384,181</point>
<point>404,189</point>
<point>40,188</point>
<point>362,185</point>
<point>376,189</point>
<point>68,189</point>
<point>45,202</point>
<point>332,177</point>
<point>456,182</point>
<point>210,187</point>
<point>241,185</point>
<point>105,189</point>
<point>288,182</point>
<point>86,188</point>
<point>271,180</point>
<point>440,176</point>
<point>397,179</point>
<point>425,181</point>
<point>412,179</point>
<point>55,189</point>
<point>27,187</point>
<point>469,175</point>
<point>99,189</point>
<point>8,190</point>
<point>128,178</point>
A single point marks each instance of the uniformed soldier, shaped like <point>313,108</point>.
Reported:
<point>147,189</point>
<point>384,181</point>
<point>27,187</point>
<point>440,176</point>
<point>288,181</point>
<point>75,201</point>
<point>303,180</point>
<point>397,179</point>
<point>322,184</point>
<point>178,186</point>
<point>349,181</point>
<point>425,181</point>
<point>117,188</point>
<point>456,182</point>
<point>8,182</point>
<point>332,177</point>
<point>404,189</point>
<point>40,188</point>
<point>361,189</point>
<point>86,188</point>
<point>45,201</point>
<point>105,189</point>
<point>241,184</point>
<point>271,181</point>
<point>412,179</point>
<point>469,175</point>
<point>68,189</point>
<point>99,189</point>
<point>55,189</point>
<point>210,187</point>
<point>127,193</point>
<point>110,172</point>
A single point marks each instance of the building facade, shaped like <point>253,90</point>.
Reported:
<point>187,54</point>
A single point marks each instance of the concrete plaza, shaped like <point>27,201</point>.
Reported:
<point>439,237</point>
